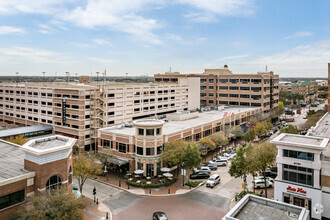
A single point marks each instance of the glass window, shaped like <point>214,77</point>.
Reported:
<point>159,150</point>
<point>298,155</point>
<point>150,151</point>
<point>106,144</point>
<point>158,131</point>
<point>12,199</point>
<point>141,131</point>
<point>54,182</point>
<point>150,132</point>
<point>139,150</point>
<point>122,148</point>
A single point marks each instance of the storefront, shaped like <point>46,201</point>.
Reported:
<point>303,196</point>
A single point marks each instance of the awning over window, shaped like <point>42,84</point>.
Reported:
<point>244,127</point>
<point>117,160</point>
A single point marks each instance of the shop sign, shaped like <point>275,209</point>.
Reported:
<point>296,190</point>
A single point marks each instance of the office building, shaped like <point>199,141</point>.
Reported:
<point>222,87</point>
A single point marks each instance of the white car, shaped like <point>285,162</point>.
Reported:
<point>213,181</point>
<point>220,162</point>
<point>262,178</point>
<point>305,117</point>
<point>229,156</point>
<point>260,183</point>
<point>203,169</point>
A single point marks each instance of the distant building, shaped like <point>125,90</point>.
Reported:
<point>306,88</point>
<point>222,87</point>
<point>255,207</point>
<point>39,165</point>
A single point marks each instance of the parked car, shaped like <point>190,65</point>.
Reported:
<point>220,162</point>
<point>213,181</point>
<point>267,178</point>
<point>200,175</point>
<point>269,173</point>
<point>212,166</point>
<point>284,123</point>
<point>229,156</point>
<point>204,169</point>
<point>159,216</point>
<point>305,117</point>
<point>260,183</point>
<point>304,132</point>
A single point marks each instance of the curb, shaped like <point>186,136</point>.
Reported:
<point>127,190</point>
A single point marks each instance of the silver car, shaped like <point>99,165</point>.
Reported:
<point>213,181</point>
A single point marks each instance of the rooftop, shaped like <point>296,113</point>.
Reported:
<point>176,126</point>
<point>48,144</point>
<point>253,207</point>
<point>11,161</point>
<point>24,130</point>
<point>322,128</point>
<point>319,143</point>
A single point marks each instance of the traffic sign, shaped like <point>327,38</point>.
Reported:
<point>183,172</point>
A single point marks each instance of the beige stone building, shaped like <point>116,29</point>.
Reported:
<point>222,87</point>
<point>139,145</point>
<point>78,110</point>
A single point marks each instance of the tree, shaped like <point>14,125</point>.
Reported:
<point>237,131</point>
<point>249,135</point>
<point>191,156</point>
<point>173,152</point>
<point>206,144</point>
<point>56,204</point>
<point>260,128</point>
<point>219,139</point>
<point>85,167</point>
<point>264,156</point>
<point>268,125</point>
<point>19,139</point>
<point>281,106</point>
<point>251,165</point>
<point>238,167</point>
<point>290,129</point>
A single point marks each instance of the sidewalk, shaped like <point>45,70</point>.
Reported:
<point>95,211</point>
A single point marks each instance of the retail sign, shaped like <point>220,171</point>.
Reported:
<point>296,190</point>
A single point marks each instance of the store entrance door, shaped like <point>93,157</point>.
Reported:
<point>298,202</point>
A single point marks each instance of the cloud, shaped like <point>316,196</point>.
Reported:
<point>102,42</point>
<point>45,29</point>
<point>11,30</point>
<point>173,37</point>
<point>234,57</point>
<point>116,15</point>
<point>304,59</point>
<point>299,34</point>
<point>102,60</point>
<point>210,9</point>
<point>26,54</point>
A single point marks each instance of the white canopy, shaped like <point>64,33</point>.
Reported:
<point>138,171</point>
<point>168,175</point>
<point>165,169</point>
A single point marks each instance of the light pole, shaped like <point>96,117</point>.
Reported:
<point>43,77</point>
<point>77,78</point>
<point>106,171</point>
<point>67,77</point>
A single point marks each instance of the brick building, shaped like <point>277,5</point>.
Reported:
<point>40,164</point>
<point>78,110</point>
<point>222,87</point>
<point>308,89</point>
<point>139,145</point>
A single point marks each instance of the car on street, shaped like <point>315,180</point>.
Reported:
<point>229,156</point>
<point>204,169</point>
<point>269,173</point>
<point>260,183</point>
<point>212,165</point>
<point>159,216</point>
<point>213,181</point>
<point>284,123</point>
<point>200,175</point>
<point>220,162</point>
<point>305,117</point>
<point>267,178</point>
<point>303,132</point>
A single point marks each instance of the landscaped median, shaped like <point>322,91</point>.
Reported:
<point>150,184</point>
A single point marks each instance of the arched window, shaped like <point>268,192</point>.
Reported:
<point>70,175</point>
<point>54,182</point>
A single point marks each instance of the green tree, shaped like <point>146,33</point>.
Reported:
<point>260,128</point>
<point>249,135</point>
<point>219,139</point>
<point>57,204</point>
<point>19,139</point>
<point>238,167</point>
<point>206,144</point>
<point>251,165</point>
<point>191,157</point>
<point>85,167</point>
<point>269,126</point>
<point>264,155</point>
<point>290,129</point>
<point>173,152</point>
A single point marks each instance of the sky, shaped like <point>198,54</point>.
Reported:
<point>146,37</point>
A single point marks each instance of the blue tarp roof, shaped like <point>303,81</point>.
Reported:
<point>24,130</point>
<point>244,127</point>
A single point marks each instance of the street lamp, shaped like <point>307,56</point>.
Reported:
<point>106,171</point>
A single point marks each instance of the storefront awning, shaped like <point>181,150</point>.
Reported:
<point>118,161</point>
<point>244,127</point>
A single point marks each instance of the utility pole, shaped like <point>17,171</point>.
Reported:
<point>67,77</point>
<point>43,77</point>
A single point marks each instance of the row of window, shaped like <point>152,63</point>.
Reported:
<point>254,89</point>
<point>243,81</point>
<point>296,174</point>
<point>298,155</point>
<point>153,107</point>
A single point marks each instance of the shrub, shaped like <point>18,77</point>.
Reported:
<point>192,183</point>
<point>131,183</point>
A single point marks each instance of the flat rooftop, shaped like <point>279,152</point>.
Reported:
<point>253,207</point>
<point>48,142</point>
<point>11,161</point>
<point>176,126</point>
<point>322,129</point>
<point>24,130</point>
